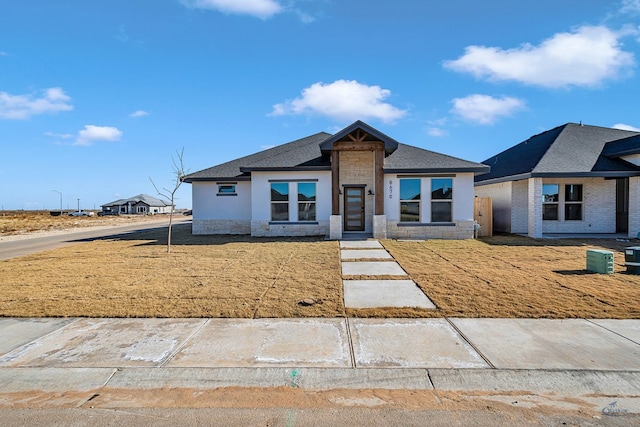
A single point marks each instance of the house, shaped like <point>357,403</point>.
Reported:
<point>356,181</point>
<point>141,204</point>
<point>571,179</point>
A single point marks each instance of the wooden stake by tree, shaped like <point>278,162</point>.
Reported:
<point>169,193</point>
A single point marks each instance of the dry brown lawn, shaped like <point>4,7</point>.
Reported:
<point>227,276</point>
<point>21,222</point>
<point>203,276</point>
<point>512,276</point>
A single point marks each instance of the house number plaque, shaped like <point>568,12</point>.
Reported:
<point>390,189</point>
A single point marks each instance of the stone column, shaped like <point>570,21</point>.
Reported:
<point>379,226</point>
<point>335,227</point>
<point>535,208</point>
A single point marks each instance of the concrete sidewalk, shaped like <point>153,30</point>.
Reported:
<point>87,353</point>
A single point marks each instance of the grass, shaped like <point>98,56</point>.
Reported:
<point>21,222</point>
<point>227,276</point>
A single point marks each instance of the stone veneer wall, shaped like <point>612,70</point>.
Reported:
<point>265,229</point>
<point>356,168</point>
<point>221,226</point>
<point>461,230</point>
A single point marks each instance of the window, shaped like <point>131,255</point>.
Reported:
<point>226,189</point>
<point>441,199</point>
<point>410,200</point>
<point>279,201</point>
<point>550,199</point>
<point>306,201</point>
<point>573,202</point>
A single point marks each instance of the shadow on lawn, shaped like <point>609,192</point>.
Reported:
<point>181,236</point>
<point>613,244</point>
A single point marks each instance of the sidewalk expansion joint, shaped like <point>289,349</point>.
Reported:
<point>181,346</point>
<point>476,349</point>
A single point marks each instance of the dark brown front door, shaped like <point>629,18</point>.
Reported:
<point>354,209</point>
<point>622,205</point>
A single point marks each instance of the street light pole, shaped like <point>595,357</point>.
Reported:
<point>78,205</point>
<point>60,193</point>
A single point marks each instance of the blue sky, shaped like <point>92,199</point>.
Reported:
<point>96,97</point>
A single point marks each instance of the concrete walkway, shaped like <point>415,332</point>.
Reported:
<point>369,258</point>
<point>596,360</point>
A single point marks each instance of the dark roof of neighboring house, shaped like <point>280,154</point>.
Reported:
<point>144,198</point>
<point>311,153</point>
<point>568,150</point>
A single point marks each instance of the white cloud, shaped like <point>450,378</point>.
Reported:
<point>585,57</point>
<point>437,132</point>
<point>259,8</point>
<point>630,6</point>
<point>342,100</point>
<point>20,107</point>
<point>92,133</point>
<point>623,126</point>
<point>139,113</point>
<point>59,135</point>
<point>485,109</point>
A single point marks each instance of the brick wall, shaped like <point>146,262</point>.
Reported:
<point>598,207</point>
<point>220,226</point>
<point>461,230</point>
<point>264,229</point>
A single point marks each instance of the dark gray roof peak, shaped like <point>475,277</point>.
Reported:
<point>568,150</point>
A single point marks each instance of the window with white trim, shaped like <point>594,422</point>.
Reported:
<point>573,202</point>
<point>410,200</point>
<point>306,201</point>
<point>550,201</point>
<point>441,199</point>
<point>279,201</point>
<point>226,189</point>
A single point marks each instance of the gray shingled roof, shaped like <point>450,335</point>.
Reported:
<point>292,154</point>
<point>144,198</point>
<point>568,150</point>
<point>310,153</point>
<point>410,159</point>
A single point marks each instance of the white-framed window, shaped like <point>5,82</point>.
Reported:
<point>306,201</point>
<point>410,200</point>
<point>441,199</point>
<point>279,201</point>
<point>227,189</point>
<point>550,202</point>
<point>573,202</point>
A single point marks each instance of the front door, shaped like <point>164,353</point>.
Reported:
<point>354,209</point>
<point>622,205</point>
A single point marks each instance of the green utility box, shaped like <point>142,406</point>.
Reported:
<point>600,261</point>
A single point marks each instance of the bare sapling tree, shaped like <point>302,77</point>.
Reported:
<point>170,193</point>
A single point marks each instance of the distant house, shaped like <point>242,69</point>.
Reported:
<point>571,179</point>
<point>356,181</point>
<point>141,204</point>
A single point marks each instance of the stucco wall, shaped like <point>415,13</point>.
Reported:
<point>500,195</point>
<point>462,204</point>
<point>214,214</point>
<point>261,224</point>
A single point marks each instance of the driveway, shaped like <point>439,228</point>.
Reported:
<point>39,242</point>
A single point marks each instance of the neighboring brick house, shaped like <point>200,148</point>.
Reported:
<point>356,181</point>
<point>571,179</point>
<point>142,204</point>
